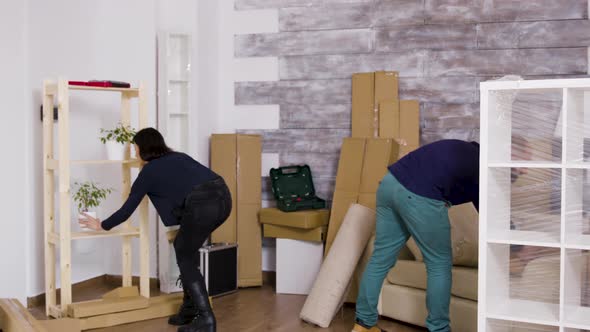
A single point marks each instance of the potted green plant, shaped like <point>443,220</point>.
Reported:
<point>117,140</point>
<point>88,196</point>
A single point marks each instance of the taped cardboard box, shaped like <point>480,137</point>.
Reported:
<point>249,246</point>
<point>350,165</point>
<point>389,119</point>
<point>369,200</point>
<point>238,159</point>
<point>379,153</point>
<point>368,91</point>
<point>363,104</point>
<point>224,161</point>
<point>317,234</point>
<point>340,204</point>
<point>362,165</point>
<point>409,119</point>
<point>307,219</point>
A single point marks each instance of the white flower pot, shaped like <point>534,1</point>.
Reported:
<point>115,150</point>
<point>81,216</point>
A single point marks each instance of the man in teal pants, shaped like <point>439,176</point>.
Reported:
<point>412,200</point>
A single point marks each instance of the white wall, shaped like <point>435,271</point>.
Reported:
<point>13,177</point>
<point>105,39</point>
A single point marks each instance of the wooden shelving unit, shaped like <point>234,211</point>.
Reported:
<point>61,239</point>
<point>552,205</point>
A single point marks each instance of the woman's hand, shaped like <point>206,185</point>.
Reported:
<point>90,222</point>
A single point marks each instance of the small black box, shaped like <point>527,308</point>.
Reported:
<point>219,267</point>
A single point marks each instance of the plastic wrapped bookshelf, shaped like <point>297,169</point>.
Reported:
<point>534,202</point>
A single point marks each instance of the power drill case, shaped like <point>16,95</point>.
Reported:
<point>293,189</point>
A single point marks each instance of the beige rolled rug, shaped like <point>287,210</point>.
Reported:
<point>327,293</point>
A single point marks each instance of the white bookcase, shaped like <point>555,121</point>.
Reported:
<point>535,230</point>
<point>175,110</point>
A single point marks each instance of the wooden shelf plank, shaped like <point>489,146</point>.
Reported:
<point>106,306</point>
<point>101,234</point>
<point>526,312</point>
<point>133,92</point>
<point>159,306</point>
<point>132,162</point>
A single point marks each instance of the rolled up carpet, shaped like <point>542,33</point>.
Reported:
<point>327,293</point>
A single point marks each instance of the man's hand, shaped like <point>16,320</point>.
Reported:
<point>90,222</point>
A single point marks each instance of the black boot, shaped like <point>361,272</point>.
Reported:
<point>205,320</point>
<point>187,312</point>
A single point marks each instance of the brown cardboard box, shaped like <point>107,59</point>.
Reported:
<point>409,117</point>
<point>379,153</point>
<point>249,246</point>
<point>350,165</point>
<point>363,105</point>
<point>368,91</point>
<point>386,86</point>
<point>389,120</point>
<point>224,162</point>
<point>369,200</point>
<point>405,149</point>
<point>340,204</point>
<point>237,158</point>
<point>317,234</point>
<point>308,219</point>
<point>249,166</point>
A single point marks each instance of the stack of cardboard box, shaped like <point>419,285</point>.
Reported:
<point>383,130</point>
<point>237,158</point>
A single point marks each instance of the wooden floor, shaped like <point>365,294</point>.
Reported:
<point>253,309</point>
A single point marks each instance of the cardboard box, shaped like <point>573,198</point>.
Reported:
<point>379,153</point>
<point>405,149</point>
<point>340,204</point>
<point>409,118</point>
<point>224,160</point>
<point>350,165</point>
<point>249,246</point>
<point>249,164</point>
<point>238,159</point>
<point>317,234</point>
<point>369,200</point>
<point>368,91</point>
<point>389,120</point>
<point>386,86</point>
<point>307,219</point>
<point>363,105</point>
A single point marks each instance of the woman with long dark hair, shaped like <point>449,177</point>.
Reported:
<point>184,193</point>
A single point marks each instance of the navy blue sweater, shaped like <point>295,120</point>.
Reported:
<point>447,170</point>
<point>167,181</point>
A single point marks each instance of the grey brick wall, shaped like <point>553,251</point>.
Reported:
<point>442,49</point>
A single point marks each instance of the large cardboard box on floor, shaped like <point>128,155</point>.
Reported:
<point>363,163</point>
<point>368,91</point>
<point>238,159</point>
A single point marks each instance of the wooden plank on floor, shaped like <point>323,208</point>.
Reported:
<point>61,325</point>
<point>122,292</point>
<point>106,306</point>
<point>15,318</point>
<point>159,306</point>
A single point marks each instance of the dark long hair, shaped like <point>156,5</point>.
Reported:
<point>151,144</point>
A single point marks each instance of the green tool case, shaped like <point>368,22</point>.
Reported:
<point>293,188</point>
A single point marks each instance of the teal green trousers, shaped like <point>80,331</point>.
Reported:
<point>401,213</point>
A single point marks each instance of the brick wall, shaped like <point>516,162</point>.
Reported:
<point>441,48</point>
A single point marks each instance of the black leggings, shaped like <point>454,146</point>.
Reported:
<point>205,208</point>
